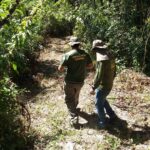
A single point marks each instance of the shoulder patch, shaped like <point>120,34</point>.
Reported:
<point>79,57</point>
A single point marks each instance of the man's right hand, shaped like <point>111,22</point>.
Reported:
<point>61,68</point>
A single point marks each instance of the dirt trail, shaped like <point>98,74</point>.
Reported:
<point>130,99</point>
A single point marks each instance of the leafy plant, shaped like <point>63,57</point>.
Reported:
<point>12,127</point>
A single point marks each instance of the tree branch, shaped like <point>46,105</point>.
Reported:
<point>11,11</point>
<point>145,49</point>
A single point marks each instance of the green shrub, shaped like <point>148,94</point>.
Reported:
<point>12,131</point>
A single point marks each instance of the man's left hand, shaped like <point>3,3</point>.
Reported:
<point>92,92</point>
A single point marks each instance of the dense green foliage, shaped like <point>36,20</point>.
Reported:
<point>116,23</point>
<point>24,24</point>
<point>11,126</point>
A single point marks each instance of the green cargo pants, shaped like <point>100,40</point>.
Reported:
<point>72,92</point>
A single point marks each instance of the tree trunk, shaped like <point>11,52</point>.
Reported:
<point>139,18</point>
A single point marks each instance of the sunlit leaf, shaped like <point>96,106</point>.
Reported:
<point>14,66</point>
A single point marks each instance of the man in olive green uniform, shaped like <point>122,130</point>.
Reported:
<point>76,61</point>
<point>103,82</point>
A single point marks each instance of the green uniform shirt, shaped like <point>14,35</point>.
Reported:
<point>76,62</point>
<point>105,73</point>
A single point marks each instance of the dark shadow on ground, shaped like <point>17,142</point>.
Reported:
<point>119,128</point>
<point>48,68</point>
<point>43,141</point>
<point>40,70</point>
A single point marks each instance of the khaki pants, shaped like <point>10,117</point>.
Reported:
<point>72,92</point>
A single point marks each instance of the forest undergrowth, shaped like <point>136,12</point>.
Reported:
<point>130,98</point>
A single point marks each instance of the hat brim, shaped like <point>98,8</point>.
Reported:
<point>99,47</point>
<point>74,43</point>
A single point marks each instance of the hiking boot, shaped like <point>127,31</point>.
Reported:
<point>74,121</point>
<point>75,124</point>
<point>101,125</point>
<point>78,126</point>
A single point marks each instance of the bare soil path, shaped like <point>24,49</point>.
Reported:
<point>130,99</point>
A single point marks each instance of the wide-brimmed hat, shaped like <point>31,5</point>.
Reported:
<point>74,41</point>
<point>101,50</point>
<point>98,44</point>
